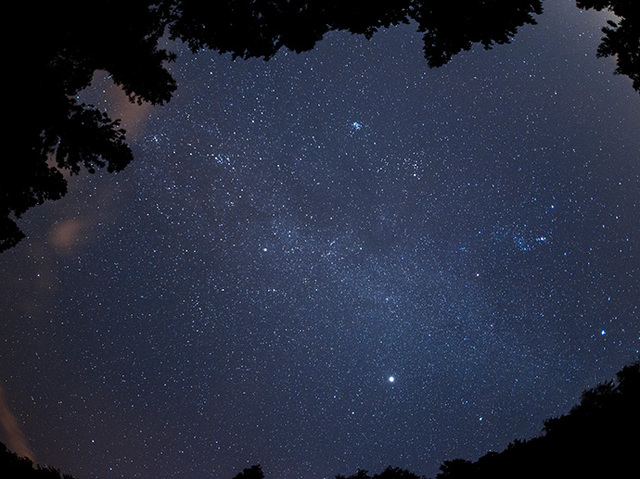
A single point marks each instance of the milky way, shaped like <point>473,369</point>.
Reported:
<point>335,260</point>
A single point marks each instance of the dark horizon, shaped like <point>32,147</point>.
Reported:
<point>597,438</point>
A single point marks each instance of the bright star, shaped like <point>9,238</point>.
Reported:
<point>391,379</point>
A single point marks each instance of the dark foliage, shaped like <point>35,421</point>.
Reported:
<point>388,473</point>
<point>60,45</point>
<point>599,438</point>
<point>253,472</point>
<point>621,39</point>
<point>249,28</point>
<point>14,467</point>
<point>453,26</point>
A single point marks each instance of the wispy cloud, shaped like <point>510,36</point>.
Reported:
<point>67,233</point>
<point>13,436</point>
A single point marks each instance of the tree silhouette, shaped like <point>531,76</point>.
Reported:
<point>253,472</point>
<point>55,136</point>
<point>621,39</point>
<point>597,438</point>
<point>268,25</point>
<point>388,473</point>
<point>14,467</point>
<point>451,27</point>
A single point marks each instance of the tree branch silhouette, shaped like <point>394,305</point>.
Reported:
<point>622,38</point>
<point>56,136</point>
<point>597,438</point>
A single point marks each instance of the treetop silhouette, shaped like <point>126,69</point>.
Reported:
<point>253,472</point>
<point>621,39</point>
<point>14,467</point>
<point>597,438</point>
<point>388,473</point>
<point>56,136</point>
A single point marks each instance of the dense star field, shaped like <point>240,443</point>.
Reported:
<point>333,260</point>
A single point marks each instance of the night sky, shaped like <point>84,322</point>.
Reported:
<point>333,260</point>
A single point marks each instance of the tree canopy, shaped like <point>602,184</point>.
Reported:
<point>60,45</point>
<point>14,467</point>
<point>622,38</point>
<point>597,438</point>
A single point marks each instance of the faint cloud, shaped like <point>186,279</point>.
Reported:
<point>105,95</point>
<point>133,116</point>
<point>13,436</point>
<point>66,233</point>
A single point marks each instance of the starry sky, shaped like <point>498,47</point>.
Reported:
<point>333,260</point>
